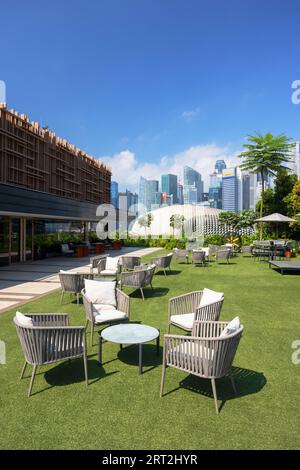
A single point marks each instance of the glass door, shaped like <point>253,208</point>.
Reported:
<point>29,240</point>
<point>15,240</point>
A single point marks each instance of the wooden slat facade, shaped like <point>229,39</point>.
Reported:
<point>35,158</point>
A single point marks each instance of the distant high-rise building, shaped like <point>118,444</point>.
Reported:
<point>192,186</point>
<point>158,198</point>
<point>215,185</point>
<point>180,194</point>
<point>169,186</point>
<point>114,191</point>
<point>147,191</point>
<point>215,189</point>
<point>132,202</point>
<point>190,195</point>
<point>230,190</point>
<point>220,166</point>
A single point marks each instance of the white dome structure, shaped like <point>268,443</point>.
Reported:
<point>198,219</point>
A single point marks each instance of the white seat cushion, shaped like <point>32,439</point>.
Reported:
<point>23,320</point>
<point>192,349</point>
<point>111,263</point>
<point>109,315</point>
<point>108,272</point>
<point>232,327</point>
<point>101,292</point>
<point>185,320</point>
<point>99,307</point>
<point>210,296</point>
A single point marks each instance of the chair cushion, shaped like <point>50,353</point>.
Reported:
<point>111,263</point>
<point>68,272</point>
<point>101,292</point>
<point>232,327</point>
<point>99,307</point>
<point>190,348</point>
<point>23,320</point>
<point>108,272</point>
<point>210,296</point>
<point>184,320</point>
<point>109,315</point>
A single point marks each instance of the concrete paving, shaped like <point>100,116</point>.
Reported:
<point>24,282</point>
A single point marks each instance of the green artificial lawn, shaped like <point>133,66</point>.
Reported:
<point>122,410</point>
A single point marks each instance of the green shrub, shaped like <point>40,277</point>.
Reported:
<point>214,240</point>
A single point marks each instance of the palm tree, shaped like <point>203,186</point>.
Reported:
<point>265,154</point>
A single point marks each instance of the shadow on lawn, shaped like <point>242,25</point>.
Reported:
<point>69,373</point>
<point>247,382</point>
<point>151,360</point>
<point>150,293</point>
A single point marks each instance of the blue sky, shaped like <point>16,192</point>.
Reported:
<point>148,85</point>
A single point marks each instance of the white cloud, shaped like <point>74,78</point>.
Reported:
<point>127,170</point>
<point>190,115</point>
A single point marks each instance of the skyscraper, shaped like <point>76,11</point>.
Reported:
<point>114,191</point>
<point>215,190</point>
<point>220,166</point>
<point>193,186</point>
<point>147,191</point>
<point>230,190</point>
<point>215,185</point>
<point>169,186</point>
<point>180,194</point>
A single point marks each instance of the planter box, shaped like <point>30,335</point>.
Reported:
<point>117,245</point>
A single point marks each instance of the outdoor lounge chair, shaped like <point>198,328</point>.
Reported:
<point>139,278</point>
<point>181,254</point>
<point>163,262</point>
<point>204,305</point>
<point>109,266</point>
<point>95,296</point>
<point>207,353</point>
<point>72,283</point>
<point>128,263</point>
<point>247,250</point>
<point>223,255</point>
<point>94,261</point>
<point>65,250</point>
<point>47,338</point>
<point>198,257</point>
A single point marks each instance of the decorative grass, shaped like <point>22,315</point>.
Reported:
<point>122,410</point>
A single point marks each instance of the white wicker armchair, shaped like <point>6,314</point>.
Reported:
<point>163,262</point>
<point>95,315</point>
<point>185,309</point>
<point>205,354</point>
<point>139,278</point>
<point>50,340</point>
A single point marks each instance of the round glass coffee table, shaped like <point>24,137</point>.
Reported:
<point>129,333</point>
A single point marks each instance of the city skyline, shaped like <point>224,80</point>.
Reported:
<point>147,87</point>
<point>230,188</point>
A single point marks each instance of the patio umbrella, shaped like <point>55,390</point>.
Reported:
<point>277,218</point>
